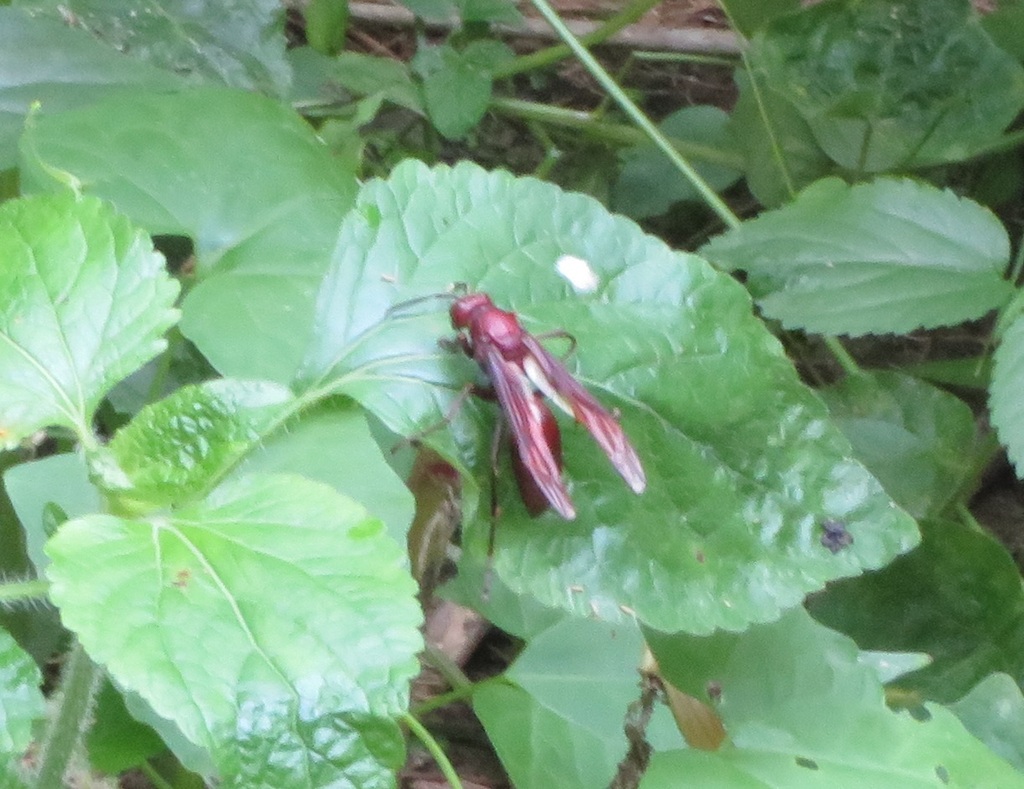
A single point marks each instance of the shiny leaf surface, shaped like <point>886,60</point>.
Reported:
<point>36,488</point>
<point>915,438</point>
<point>179,447</point>
<point>522,730</point>
<point>239,43</point>
<point>301,604</point>
<point>742,463</point>
<point>333,444</point>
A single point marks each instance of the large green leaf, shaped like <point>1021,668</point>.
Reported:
<point>238,42</point>
<point>1006,404</point>
<point>743,465</point>
<point>21,705</point>
<point>915,438</point>
<point>889,256</point>
<point>246,178</point>
<point>84,301</point>
<point>301,602</point>
<point>44,60</point>
<point>890,84</point>
<point>802,712</point>
<point>957,597</point>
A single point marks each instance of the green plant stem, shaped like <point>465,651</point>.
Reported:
<point>685,57</point>
<point>447,668</point>
<point>545,57</point>
<point>968,519</point>
<point>617,133</point>
<point>163,366</point>
<point>981,460</point>
<point>776,145</point>
<point>154,777</point>
<point>1018,263</point>
<point>636,115</point>
<point>71,719</point>
<point>847,362</point>
<point>432,745</point>
<point>19,591</point>
<point>441,700</point>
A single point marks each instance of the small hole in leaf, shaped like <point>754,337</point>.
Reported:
<point>810,764</point>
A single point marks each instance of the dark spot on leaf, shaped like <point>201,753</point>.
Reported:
<point>699,556</point>
<point>834,535</point>
<point>714,690</point>
<point>182,577</point>
<point>920,713</point>
<point>942,773</point>
<point>810,764</point>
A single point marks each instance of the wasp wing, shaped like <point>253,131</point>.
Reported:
<point>549,375</point>
<point>528,420</point>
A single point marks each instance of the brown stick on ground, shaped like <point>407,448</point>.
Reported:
<point>694,40</point>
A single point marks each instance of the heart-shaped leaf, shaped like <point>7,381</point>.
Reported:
<point>302,602</point>
<point>84,301</point>
<point>743,466</point>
